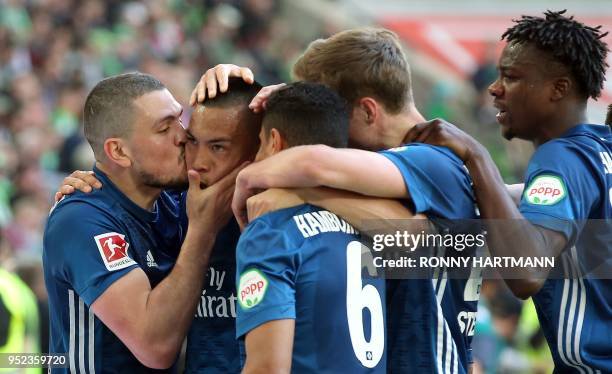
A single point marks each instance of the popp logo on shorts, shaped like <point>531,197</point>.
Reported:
<point>545,190</point>
<point>251,288</point>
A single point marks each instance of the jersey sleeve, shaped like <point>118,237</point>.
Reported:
<point>560,189</point>
<point>86,249</point>
<point>266,271</point>
<point>436,180</point>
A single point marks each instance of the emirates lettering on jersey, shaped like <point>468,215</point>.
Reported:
<point>312,224</point>
<point>216,306</point>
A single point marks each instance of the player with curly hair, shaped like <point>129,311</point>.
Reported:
<point>548,70</point>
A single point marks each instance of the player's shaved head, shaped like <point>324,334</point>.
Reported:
<point>308,113</point>
<point>363,62</point>
<point>109,110</point>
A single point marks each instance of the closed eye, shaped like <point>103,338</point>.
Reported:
<point>191,139</point>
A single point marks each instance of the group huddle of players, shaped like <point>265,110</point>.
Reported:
<point>144,251</point>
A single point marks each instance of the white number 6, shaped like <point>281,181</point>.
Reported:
<point>358,298</point>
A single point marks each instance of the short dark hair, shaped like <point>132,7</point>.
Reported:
<point>576,46</point>
<point>108,108</point>
<point>238,92</point>
<point>308,113</point>
<point>609,116</point>
<point>237,98</point>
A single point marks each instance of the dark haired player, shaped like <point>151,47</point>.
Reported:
<point>430,320</point>
<point>547,71</point>
<point>121,295</point>
<point>300,291</point>
<point>222,134</point>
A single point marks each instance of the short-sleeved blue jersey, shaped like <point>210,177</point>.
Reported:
<point>304,263</point>
<point>211,341</point>
<point>569,190</point>
<point>91,241</point>
<point>431,322</point>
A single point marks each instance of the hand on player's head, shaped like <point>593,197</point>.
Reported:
<point>83,181</point>
<point>444,134</point>
<point>217,78</point>
<point>258,104</point>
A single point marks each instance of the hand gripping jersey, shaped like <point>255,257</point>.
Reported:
<point>569,190</point>
<point>304,263</point>
<point>91,241</point>
<point>430,322</point>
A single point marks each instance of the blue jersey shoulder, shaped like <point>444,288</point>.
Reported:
<point>438,183</point>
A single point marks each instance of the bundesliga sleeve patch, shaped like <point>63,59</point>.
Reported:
<point>545,190</point>
<point>114,250</point>
<point>251,288</point>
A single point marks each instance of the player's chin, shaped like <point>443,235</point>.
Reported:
<point>507,132</point>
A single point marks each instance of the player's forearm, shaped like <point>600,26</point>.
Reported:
<point>515,191</point>
<point>363,172</point>
<point>291,168</point>
<point>364,212</point>
<point>264,368</point>
<point>355,170</point>
<point>509,234</point>
<point>269,347</point>
<point>171,304</point>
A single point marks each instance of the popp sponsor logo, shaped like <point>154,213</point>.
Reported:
<point>251,288</point>
<point>545,190</point>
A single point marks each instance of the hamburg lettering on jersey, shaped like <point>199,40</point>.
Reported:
<point>314,223</point>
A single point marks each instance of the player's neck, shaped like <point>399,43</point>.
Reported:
<point>399,124</point>
<point>138,193</point>
<point>563,121</point>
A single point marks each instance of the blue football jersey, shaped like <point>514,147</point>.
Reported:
<point>211,341</point>
<point>91,241</point>
<point>569,190</point>
<point>431,321</point>
<point>304,263</point>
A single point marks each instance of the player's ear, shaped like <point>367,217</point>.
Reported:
<point>276,143</point>
<point>369,110</point>
<point>561,87</point>
<point>117,152</point>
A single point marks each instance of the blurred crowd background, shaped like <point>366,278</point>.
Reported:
<point>52,52</point>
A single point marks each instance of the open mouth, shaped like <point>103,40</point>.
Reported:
<point>501,116</point>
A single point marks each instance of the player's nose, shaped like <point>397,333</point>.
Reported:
<point>200,163</point>
<point>496,88</point>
